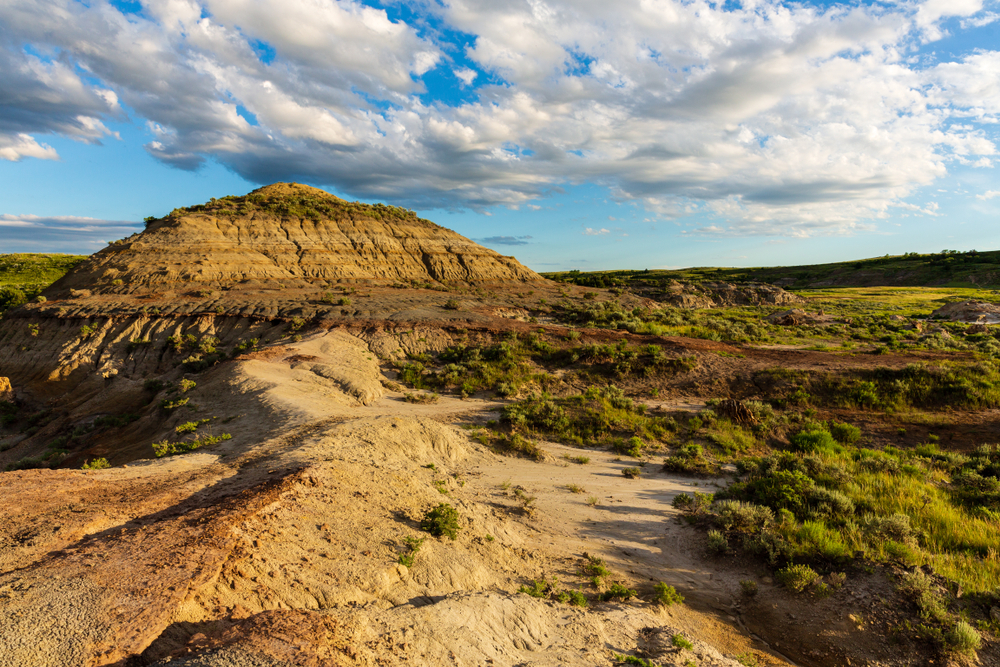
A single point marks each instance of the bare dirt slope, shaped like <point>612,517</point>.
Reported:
<point>285,549</point>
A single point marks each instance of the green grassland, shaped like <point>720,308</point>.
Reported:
<point>24,275</point>
<point>25,270</point>
<point>945,269</point>
<point>860,319</point>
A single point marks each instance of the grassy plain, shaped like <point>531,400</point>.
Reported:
<point>24,275</point>
<point>945,269</point>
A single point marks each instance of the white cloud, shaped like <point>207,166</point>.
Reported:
<point>775,119</point>
<point>18,146</point>
<point>596,232</point>
<point>980,21</point>
<point>466,76</point>
<point>989,194</point>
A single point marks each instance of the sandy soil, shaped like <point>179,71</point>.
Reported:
<point>281,546</point>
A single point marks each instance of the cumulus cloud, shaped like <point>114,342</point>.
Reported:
<point>797,119</point>
<point>13,147</point>
<point>589,231</point>
<point>42,95</point>
<point>68,234</point>
<point>466,75</point>
<point>989,194</point>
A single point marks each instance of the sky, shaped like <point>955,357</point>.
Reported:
<point>573,135</point>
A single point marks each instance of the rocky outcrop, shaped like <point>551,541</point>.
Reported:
<point>796,316</point>
<point>717,295</point>
<point>288,234</point>
<point>969,311</point>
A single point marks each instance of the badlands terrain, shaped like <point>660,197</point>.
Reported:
<point>286,429</point>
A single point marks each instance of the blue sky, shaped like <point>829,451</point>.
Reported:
<point>567,134</point>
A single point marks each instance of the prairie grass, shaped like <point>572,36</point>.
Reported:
<point>907,506</point>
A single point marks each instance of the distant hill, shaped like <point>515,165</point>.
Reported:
<point>945,269</point>
<point>24,275</point>
<point>27,269</point>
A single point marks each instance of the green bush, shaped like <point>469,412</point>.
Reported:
<point>921,590</point>
<point>595,567</point>
<point>618,592</point>
<point>681,642</point>
<point>963,638</point>
<point>167,404</point>
<point>782,489</point>
<point>440,521</point>
<point>845,434</point>
<point>631,473</point>
<point>717,543</point>
<point>574,598</point>
<point>635,446</point>
<point>516,445</point>
<point>96,464</point>
<point>735,515</point>
<point>815,440</point>
<point>797,577</point>
<point>243,347</point>
<point>666,595</point>
<point>538,589</point>
<point>413,545</point>
<point>166,448</point>
<point>11,297</point>
<point>696,504</point>
<point>818,540</point>
<point>633,660</point>
<point>690,459</point>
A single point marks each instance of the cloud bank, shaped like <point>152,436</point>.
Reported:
<point>66,234</point>
<point>792,119</point>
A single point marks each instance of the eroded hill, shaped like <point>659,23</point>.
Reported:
<point>290,234</point>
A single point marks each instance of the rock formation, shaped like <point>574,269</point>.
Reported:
<point>720,295</point>
<point>289,232</point>
<point>980,312</point>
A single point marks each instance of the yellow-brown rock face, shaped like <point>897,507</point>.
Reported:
<point>291,232</point>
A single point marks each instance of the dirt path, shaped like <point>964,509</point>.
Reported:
<point>632,526</point>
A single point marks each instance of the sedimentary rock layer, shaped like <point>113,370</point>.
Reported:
<point>290,232</point>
